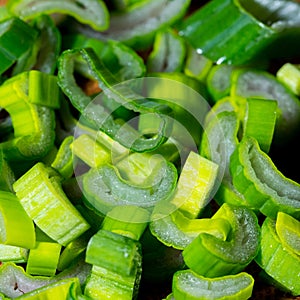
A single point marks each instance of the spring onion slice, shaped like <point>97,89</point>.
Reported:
<point>288,231</point>
<point>91,12</point>
<point>7,176</point>
<point>260,120</point>
<point>126,220</point>
<point>137,25</point>
<point>289,75</point>
<point>90,151</point>
<point>104,188</point>
<point>17,229</point>
<point>195,184</point>
<point>41,195</point>
<point>43,259</point>
<point>190,286</point>
<point>212,257</point>
<point>168,52</point>
<point>96,114</point>
<point>250,83</point>
<point>12,31</point>
<point>276,260</point>
<point>263,185</point>
<point>14,254</point>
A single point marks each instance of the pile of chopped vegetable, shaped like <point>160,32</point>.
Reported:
<point>148,149</point>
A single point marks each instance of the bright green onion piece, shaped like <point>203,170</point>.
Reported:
<point>16,37</point>
<point>126,220</point>
<point>13,254</point>
<point>42,197</point>
<point>73,251</point>
<point>289,75</point>
<point>63,161</point>
<point>263,185</point>
<point>218,81</point>
<point>252,83</point>
<point>212,257</point>
<point>56,290</point>
<point>277,261</point>
<point>259,122</point>
<point>197,65</point>
<point>177,231</point>
<point>168,52</point>
<point>104,188</point>
<point>43,259</point>
<point>7,176</point>
<point>136,26</point>
<point>112,251</point>
<point>195,184</point>
<point>91,12</point>
<point>288,231</point>
<point>190,286</point>
<point>17,229</point>
<point>90,151</point>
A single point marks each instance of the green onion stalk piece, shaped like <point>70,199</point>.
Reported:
<point>288,231</point>
<point>277,261</point>
<point>44,52</point>
<point>14,281</point>
<point>177,231</point>
<point>14,254</point>
<point>17,229</point>
<point>30,96</point>
<point>197,65</point>
<point>116,270</point>
<point>260,120</point>
<point>90,151</point>
<point>263,185</point>
<point>136,26</point>
<point>191,286</point>
<point>124,95</point>
<point>40,193</point>
<point>126,220</point>
<point>195,184</point>
<point>249,30</point>
<point>168,52</point>
<point>123,4</point>
<point>91,12</point>
<point>210,256</point>
<point>289,75</point>
<point>64,159</point>
<point>7,176</point>
<point>16,38</point>
<point>43,259</point>
<point>73,251</point>
<point>188,98</point>
<point>104,189</point>
<point>56,290</point>
<point>250,83</point>
<point>219,81</point>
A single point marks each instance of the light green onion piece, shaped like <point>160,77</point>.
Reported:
<point>112,251</point>
<point>212,257</point>
<point>90,151</point>
<point>263,185</point>
<point>260,120</point>
<point>7,176</point>
<point>13,254</point>
<point>43,259</point>
<point>195,184</point>
<point>17,229</point>
<point>126,220</point>
<point>91,12</point>
<point>277,261</point>
<point>168,52</point>
<point>41,195</point>
<point>288,231</point>
<point>190,286</point>
<point>289,75</point>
